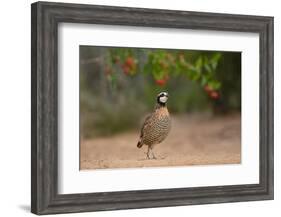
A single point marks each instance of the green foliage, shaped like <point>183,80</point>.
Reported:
<point>164,64</point>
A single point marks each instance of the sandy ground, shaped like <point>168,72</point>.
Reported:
<point>193,140</point>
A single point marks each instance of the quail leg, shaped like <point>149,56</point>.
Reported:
<point>153,156</point>
<point>148,152</point>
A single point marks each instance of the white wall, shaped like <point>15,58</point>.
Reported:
<point>15,107</point>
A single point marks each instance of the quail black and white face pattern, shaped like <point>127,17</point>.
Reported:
<point>156,126</point>
<point>162,98</point>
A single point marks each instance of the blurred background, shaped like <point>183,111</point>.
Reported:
<point>118,88</point>
<point>119,85</point>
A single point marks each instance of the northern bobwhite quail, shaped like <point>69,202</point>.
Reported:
<point>156,126</point>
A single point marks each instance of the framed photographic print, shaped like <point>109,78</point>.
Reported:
<point>136,108</point>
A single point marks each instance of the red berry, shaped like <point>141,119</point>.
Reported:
<point>130,62</point>
<point>214,95</point>
<point>160,82</point>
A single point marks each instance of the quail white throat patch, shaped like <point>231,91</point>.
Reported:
<point>163,99</point>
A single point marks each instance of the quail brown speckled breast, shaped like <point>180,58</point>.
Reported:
<point>156,126</point>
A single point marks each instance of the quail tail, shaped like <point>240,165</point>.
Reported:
<point>139,145</point>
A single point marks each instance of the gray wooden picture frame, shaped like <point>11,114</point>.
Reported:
<point>44,145</point>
